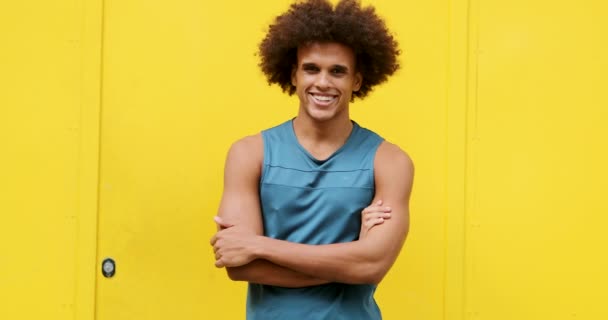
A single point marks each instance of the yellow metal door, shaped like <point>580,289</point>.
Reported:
<point>49,104</point>
<point>537,175</point>
<point>163,141</point>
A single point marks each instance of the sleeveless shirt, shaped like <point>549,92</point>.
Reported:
<point>315,202</point>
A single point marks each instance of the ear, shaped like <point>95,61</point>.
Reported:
<point>294,68</point>
<point>358,81</point>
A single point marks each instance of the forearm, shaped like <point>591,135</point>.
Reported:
<point>355,262</point>
<point>268,273</point>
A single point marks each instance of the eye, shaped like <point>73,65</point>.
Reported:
<point>310,69</point>
<point>338,71</point>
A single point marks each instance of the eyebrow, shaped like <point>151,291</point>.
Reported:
<point>339,67</point>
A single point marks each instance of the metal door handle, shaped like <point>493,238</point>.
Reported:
<point>108,267</point>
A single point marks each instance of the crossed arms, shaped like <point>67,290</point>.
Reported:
<point>240,246</point>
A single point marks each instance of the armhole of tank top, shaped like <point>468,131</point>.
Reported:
<point>373,162</point>
<point>265,156</point>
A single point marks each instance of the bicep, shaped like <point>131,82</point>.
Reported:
<point>394,173</point>
<point>240,205</point>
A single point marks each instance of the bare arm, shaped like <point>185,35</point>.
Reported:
<point>364,261</point>
<point>241,206</point>
<point>265,272</point>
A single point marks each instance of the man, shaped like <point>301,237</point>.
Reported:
<point>302,216</point>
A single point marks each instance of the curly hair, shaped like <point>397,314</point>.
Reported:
<point>375,49</point>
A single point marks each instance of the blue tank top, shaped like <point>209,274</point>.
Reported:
<point>305,200</point>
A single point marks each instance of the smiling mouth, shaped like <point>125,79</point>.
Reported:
<point>323,99</point>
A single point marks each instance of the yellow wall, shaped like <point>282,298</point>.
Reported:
<point>115,117</point>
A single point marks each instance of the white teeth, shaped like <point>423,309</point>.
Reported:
<point>323,98</point>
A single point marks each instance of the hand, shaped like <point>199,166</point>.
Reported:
<point>232,247</point>
<point>373,215</point>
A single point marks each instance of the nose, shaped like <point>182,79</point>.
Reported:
<point>322,80</point>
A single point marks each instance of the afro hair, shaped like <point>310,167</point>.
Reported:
<point>310,21</point>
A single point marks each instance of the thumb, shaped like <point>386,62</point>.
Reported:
<point>221,223</point>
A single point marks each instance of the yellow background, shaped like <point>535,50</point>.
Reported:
<point>115,118</point>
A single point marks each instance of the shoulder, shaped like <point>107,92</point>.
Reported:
<point>390,154</point>
<point>247,152</point>
<point>392,161</point>
<point>248,144</point>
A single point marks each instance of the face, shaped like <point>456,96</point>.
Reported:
<point>325,78</point>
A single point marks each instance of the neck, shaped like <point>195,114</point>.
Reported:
<point>334,131</point>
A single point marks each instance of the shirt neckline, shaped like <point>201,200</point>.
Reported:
<point>293,136</point>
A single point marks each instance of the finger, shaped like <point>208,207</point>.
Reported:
<point>219,264</point>
<point>369,210</point>
<point>374,222</point>
<point>213,239</point>
<point>369,224</point>
<point>386,215</point>
<point>221,223</point>
<point>376,209</point>
<point>376,204</point>
<point>217,256</point>
<point>369,216</point>
<point>375,215</point>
